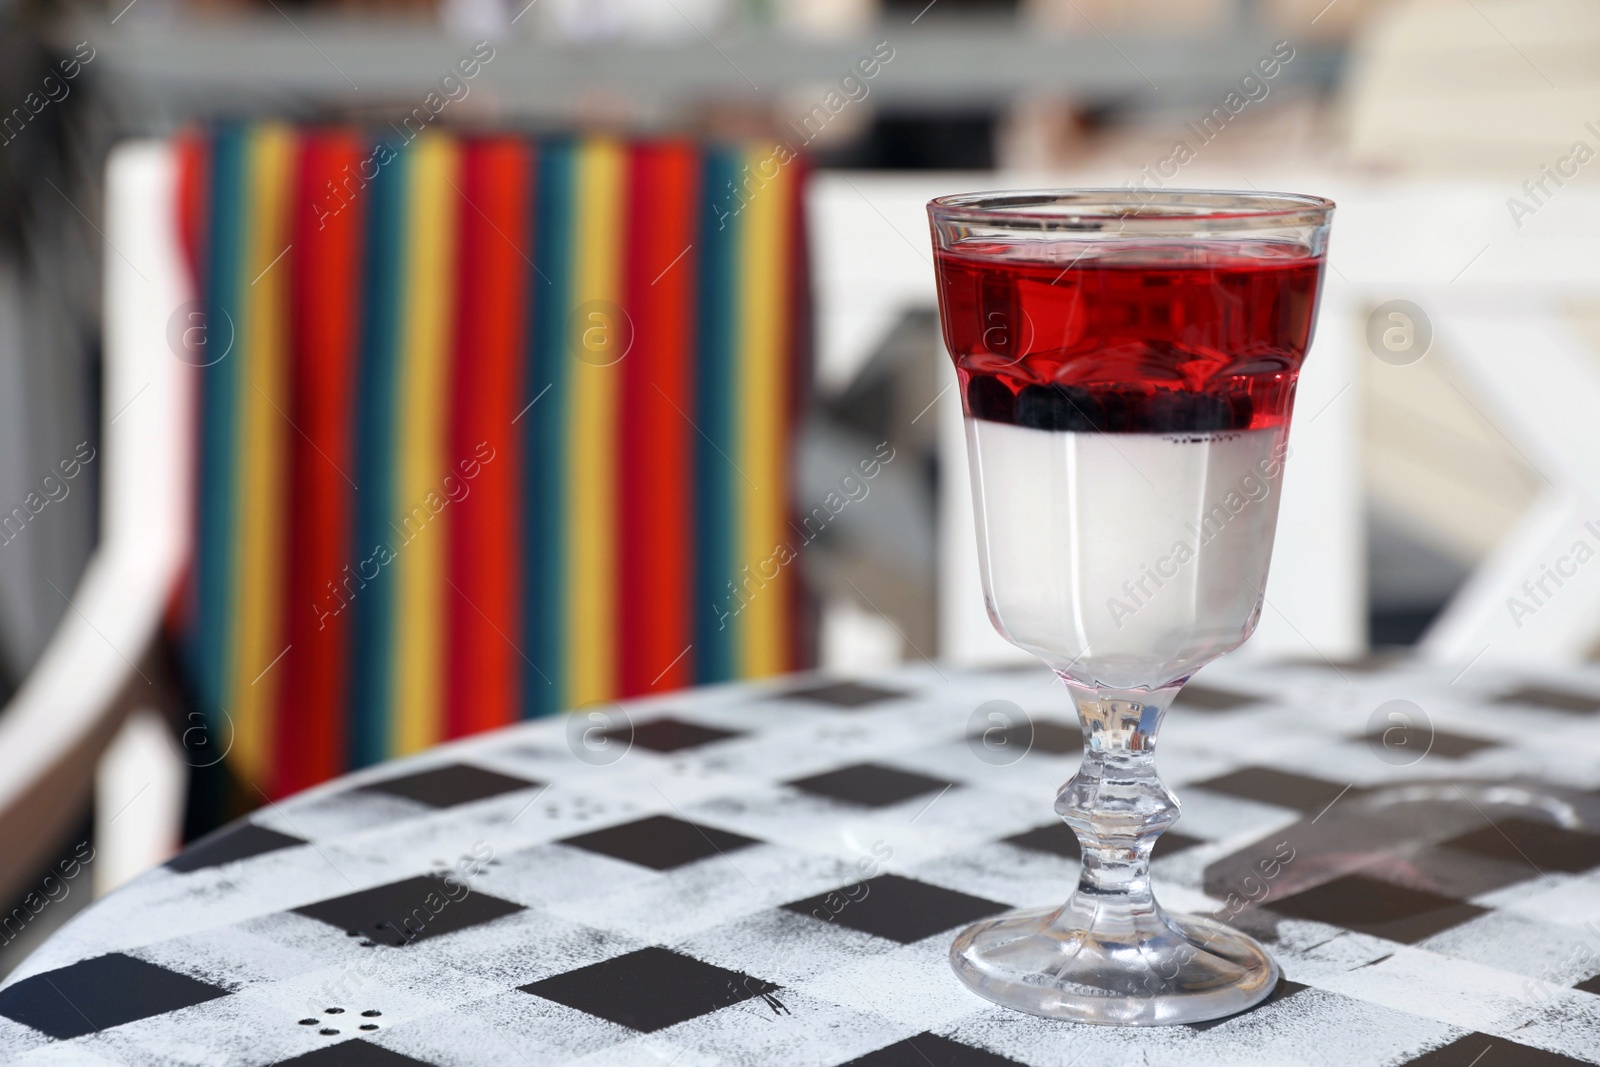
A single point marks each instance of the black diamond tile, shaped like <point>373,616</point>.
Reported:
<point>1371,663</point>
<point>660,842</point>
<point>236,842</point>
<point>411,910</point>
<point>95,994</point>
<point>1055,838</point>
<point>1057,738</point>
<point>1455,746</point>
<point>930,1050</point>
<point>1556,699</point>
<point>456,783</point>
<point>1282,991</point>
<point>1031,666</point>
<point>1382,909</point>
<point>1523,842</point>
<point>650,989</point>
<point>1210,698</point>
<point>1058,839</point>
<point>1310,795</point>
<point>1442,743</point>
<point>1040,735</point>
<point>842,694</point>
<point>669,734</point>
<point>1589,985</point>
<point>1461,874</point>
<point>1481,1050</point>
<point>900,909</point>
<point>353,1054</point>
<point>1171,843</point>
<point>870,784</point>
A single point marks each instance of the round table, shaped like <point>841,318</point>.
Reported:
<point>772,873</point>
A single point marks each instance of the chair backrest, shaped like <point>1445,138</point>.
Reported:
<point>488,427</point>
<point>1489,88</point>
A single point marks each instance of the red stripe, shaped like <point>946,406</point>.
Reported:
<point>324,267</point>
<point>657,504</point>
<point>194,197</point>
<point>192,190</point>
<point>484,553</point>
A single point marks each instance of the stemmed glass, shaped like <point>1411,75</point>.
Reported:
<point>1127,362</point>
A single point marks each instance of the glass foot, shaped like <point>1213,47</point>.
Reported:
<point>1162,970</point>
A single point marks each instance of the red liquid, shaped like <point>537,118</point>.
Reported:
<point>1163,339</point>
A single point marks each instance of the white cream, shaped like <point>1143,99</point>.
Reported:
<point>1126,560</point>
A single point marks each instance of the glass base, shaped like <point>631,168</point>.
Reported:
<point>1162,970</point>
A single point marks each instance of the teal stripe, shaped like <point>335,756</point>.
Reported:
<point>372,609</point>
<point>715,651</point>
<point>219,422</point>
<point>544,427</point>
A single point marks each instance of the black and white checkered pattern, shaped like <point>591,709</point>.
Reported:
<point>772,874</point>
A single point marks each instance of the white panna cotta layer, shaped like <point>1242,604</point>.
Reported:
<point>1126,560</point>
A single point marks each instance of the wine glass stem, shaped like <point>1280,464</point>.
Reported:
<point>1110,954</point>
<point>1117,806</point>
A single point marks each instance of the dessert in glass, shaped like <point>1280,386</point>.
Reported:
<point>1127,363</point>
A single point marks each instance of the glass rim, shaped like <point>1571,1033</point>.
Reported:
<point>1138,210</point>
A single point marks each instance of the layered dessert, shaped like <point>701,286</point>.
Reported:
<point>1127,415</point>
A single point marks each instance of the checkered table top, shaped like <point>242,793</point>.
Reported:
<point>772,874</point>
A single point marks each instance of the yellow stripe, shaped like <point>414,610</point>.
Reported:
<point>421,445</point>
<point>263,431</point>
<point>761,368</point>
<point>597,331</point>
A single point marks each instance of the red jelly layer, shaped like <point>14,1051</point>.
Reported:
<point>1179,338</point>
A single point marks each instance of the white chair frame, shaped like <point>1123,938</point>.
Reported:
<point>94,669</point>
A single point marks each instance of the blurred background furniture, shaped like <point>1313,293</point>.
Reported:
<point>1480,456</point>
<point>101,662</point>
<point>503,428</point>
<point>402,345</point>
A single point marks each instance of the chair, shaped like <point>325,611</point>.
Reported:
<point>503,432</point>
<point>1486,98</point>
<point>404,442</point>
<point>97,666</point>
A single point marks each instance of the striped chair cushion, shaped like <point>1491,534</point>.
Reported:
<point>487,427</point>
